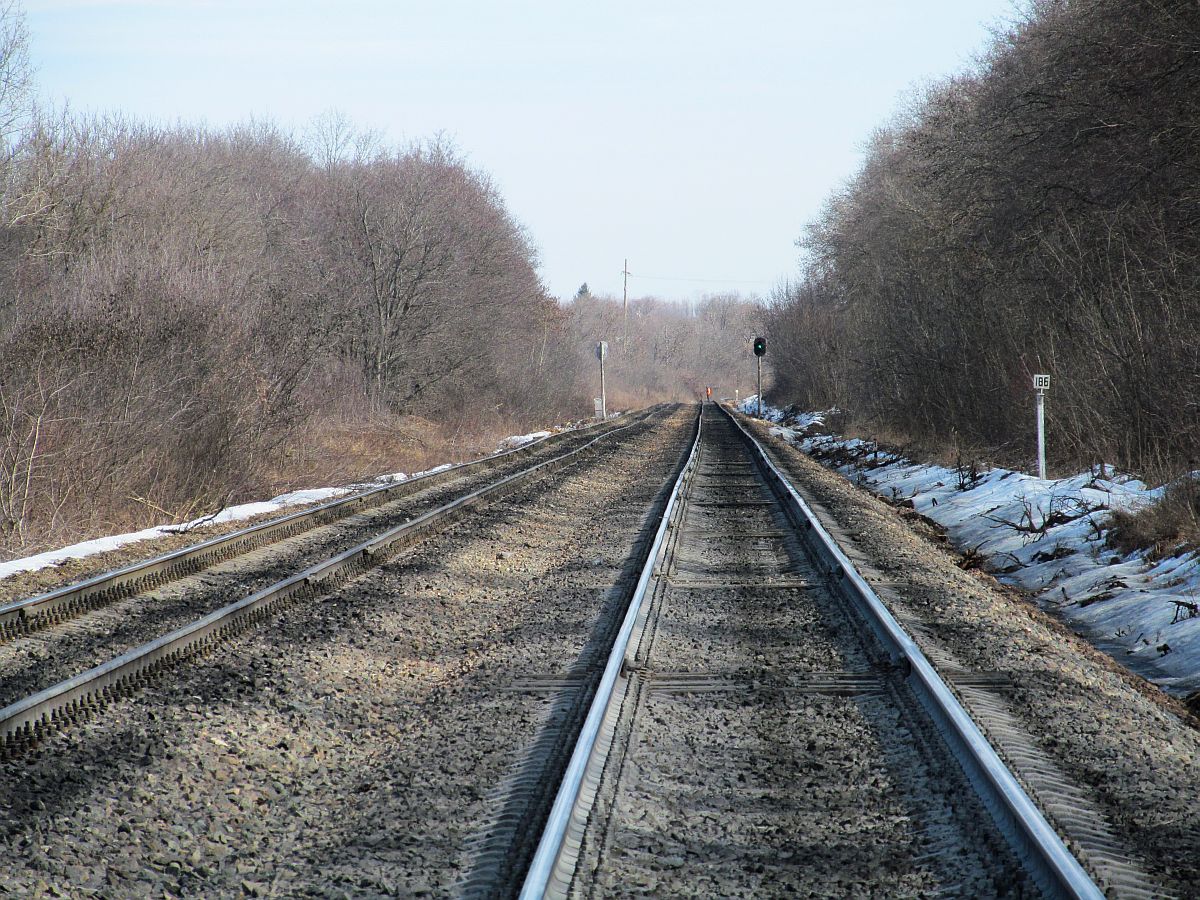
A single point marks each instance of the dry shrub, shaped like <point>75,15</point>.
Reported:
<point>957,454</point>
<point>190,319</point>
<point>1164,528</point>
<point>342,452</point>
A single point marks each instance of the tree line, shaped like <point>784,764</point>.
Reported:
<point>179,304</point>
<point>194,316</point>
<point>1035,214</point>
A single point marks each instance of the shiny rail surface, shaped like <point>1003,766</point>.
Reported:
<point>547,856</point>
<point>1055,867</point>
<point>1033,842</point>
<point>26,721</point>
<point>30,614</point>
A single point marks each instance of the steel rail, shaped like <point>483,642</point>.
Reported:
<point>27,614</point>
<point>552,842</point>
<point>1035,841</point>
<point>23,721</point>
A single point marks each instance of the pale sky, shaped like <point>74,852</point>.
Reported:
<point>694,138</point>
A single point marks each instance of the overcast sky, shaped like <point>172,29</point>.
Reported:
<point>694,138</point>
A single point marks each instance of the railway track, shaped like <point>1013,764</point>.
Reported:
<point>109,620</point>
<point>32,614</point>
<point>416,731</point>
<point>764,726</point>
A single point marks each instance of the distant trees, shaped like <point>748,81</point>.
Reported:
<point>1036,214</point>
<point>667,350</point>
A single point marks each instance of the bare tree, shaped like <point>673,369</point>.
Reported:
<point>202,305</point>
<point>1034,213</point>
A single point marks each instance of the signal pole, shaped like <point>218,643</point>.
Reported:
<point>760,350</point>
<point>759,358</point>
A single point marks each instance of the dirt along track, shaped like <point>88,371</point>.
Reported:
<point>357,745</point>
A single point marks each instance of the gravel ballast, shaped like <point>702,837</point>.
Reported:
<point>363,744</point>
<point>1130,752</point>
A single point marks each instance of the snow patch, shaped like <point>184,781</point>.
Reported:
<point>770,413</point>
<point>520,440</point>
<point>105,544</point>
<point>1049,537</point>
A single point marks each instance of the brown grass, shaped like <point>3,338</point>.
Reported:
<point>340,452</point>
<point>1164,528</point>
<point>953,455</point>
<point>324,453</point>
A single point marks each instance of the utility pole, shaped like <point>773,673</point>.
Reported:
<point>625,291</point>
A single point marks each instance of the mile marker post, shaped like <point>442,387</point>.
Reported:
<point>601,352</point>
<point>760,350</point>
<point>1041,384</point>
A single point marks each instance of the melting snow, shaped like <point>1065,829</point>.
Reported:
<point>1048,537</point>
<point>229,514</point>
<point>520,440</point>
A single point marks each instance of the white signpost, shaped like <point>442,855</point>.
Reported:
<point>601,352</point>
<point>1041,384</point>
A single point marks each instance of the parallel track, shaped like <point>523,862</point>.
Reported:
<point>24,722</point>
<point>32,614</point>
<point>738,550</point>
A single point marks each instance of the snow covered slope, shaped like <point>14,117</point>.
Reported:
<point>1048,537</point>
